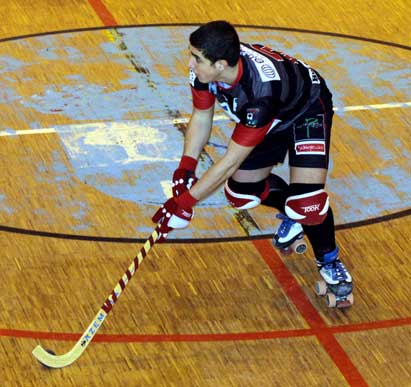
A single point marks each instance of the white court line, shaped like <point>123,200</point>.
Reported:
<point>217,117</point>
<point>27,131</point>
<point>391,105</point>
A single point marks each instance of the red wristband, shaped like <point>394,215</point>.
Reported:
<point>186,200</point>
<point>188,163</point>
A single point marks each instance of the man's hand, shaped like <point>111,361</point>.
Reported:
<point>174,213</point>
<point>184,176</point>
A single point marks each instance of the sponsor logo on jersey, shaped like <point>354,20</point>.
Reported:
<point>251,118</point>
<point>310,148</point>
<point>268,71</point>
<point>313,75</point>
<point>264,66</point>
<point>310,131</point>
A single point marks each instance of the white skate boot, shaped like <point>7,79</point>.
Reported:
<point>289,236</point>
<point>336,284</point>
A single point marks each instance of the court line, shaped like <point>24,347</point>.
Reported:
<point>209,337</point>
<point>256,27</point>
<point>103,13</point>
<point>294,292</point>
<point>184,120</point>
<point>112,239</point>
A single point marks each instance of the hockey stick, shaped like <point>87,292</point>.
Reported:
<point>50,360</point>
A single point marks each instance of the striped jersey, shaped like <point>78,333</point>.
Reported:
<point>272,89</point>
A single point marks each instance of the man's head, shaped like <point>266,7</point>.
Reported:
<point>217,40</point>
<point>214,47</point>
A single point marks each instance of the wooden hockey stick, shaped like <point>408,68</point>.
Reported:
<point>49,359</point>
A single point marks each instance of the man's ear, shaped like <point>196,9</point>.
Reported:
<point>221,64</point>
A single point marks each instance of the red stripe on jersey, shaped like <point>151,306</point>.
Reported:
<point>202,99</point>
<point>243,135</point>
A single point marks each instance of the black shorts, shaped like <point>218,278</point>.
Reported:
<point>307,140</point>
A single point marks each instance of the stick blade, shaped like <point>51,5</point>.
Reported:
<point>53,361</point>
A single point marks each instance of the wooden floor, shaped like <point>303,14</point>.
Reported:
<point>88,139</point>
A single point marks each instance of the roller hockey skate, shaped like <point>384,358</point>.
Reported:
<point>336,284</point>
<point>289,236</point>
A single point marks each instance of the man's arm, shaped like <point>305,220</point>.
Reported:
<point>198,131</point>
<point>221,170</point>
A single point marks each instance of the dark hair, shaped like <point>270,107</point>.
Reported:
<point>217,40</point>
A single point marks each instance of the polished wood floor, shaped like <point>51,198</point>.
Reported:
<point>218,307</point>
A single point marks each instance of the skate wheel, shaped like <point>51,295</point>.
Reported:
<point>349,300</point>
<point>331,300</point>
<point>300,247</point>
<point>344,302</point>
<point>321,288</point>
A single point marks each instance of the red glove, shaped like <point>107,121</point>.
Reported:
<point>174,213</point>
<point>184,176</point>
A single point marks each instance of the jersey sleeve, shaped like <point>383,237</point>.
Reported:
<point>256,118</point>
<point>202,98</point>
<point>246,136</point>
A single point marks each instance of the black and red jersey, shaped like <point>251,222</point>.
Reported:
<point>272,89</point>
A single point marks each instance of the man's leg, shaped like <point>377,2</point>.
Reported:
<point>305,183</point>
<point>253,188</point>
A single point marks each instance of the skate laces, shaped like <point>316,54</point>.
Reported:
<point>338,270</point>
<point>285,225</point>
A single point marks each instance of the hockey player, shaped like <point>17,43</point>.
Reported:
<point>279,105</point>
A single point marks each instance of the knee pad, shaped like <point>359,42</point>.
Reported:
<point>244,196</point>
<point>309,208</point>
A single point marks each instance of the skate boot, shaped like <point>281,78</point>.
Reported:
<point>289,236</point>
<point>336,284</point>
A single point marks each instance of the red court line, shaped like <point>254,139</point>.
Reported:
<point>310,314</point>
<point>239,336</point>
<point>143,338</point>
<point>288,283</point>
<point>103,13</point>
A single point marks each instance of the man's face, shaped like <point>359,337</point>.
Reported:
<point>202,67</point>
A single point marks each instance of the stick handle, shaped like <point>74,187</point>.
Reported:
<point>122,283</point>
<point>59,361</point>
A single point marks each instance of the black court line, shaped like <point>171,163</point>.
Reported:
<point>112,239</point>
<point>257,27</point>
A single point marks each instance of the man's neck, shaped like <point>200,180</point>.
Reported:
<point>230,74</point>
